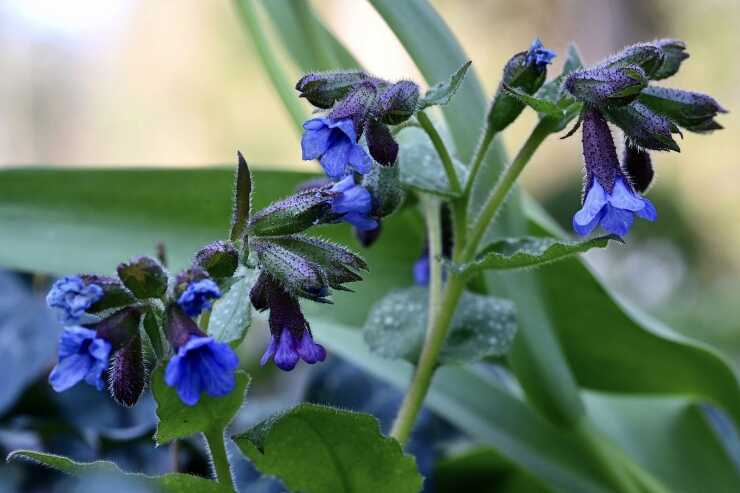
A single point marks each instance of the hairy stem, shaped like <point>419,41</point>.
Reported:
<point>219,459</point>
<point>437,329</point>
<point>478,156</point>
<point>248,13</point>
<point>441,148</point>
<point>503,186</point>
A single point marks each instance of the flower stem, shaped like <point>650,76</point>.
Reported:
<point>503,187</point>
<point>444,154</point>
<point>248,14</point>
<point>480,153</point>
<point>219,459</point>
<point>437,329</point>
<point>611,465</point>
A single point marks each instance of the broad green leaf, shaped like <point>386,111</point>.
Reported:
<point>420,166</point>
<point>642,355</point>
<point>170,483</point>
<point>317,449</point>
<point>211,414</point>
<point>536,355</point>
<point>232,314</point>
<point>541,105</point>
<point>668,436</point>
<point>441,93</point>
<point>471,399</point>
<point>529,251</point>
<point>482,326</point>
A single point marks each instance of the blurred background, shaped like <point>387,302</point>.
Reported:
<point>131,82</point>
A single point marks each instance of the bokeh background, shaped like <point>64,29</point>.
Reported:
<point>136,82</point>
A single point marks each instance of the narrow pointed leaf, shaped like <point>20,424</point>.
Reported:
<point>442,92</point>
<point>242,199</point>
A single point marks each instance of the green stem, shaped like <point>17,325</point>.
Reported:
<point>480,153</point>
<point>503,187</point>
<point>435,336</point>
<point>219,458</point>
<point>248,13</point>
<point>444,154</point>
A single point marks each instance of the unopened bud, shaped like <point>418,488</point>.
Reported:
<point>647,56</point>
<point>398,102</point>
<point>383,148</point>
<point>368,237</point>
<point>127,373</point>
<point>143,276</point>
<point>691,110</point>
<point>384,186</point>
<point>323,89</point>
<point>607,86</point>
<point>644,127</point>
<point>120,327</point>
<point>219,259</point>
<point>638,167</point>
<point>293,214</point>
<point>674,53</point>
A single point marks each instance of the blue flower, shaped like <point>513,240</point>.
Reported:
<point>70,298</point>
<point>614,211</point>
<point>201,364</point>
<point>538,55</point>
<point>286,349</point>
<point>334,144</point>
<point>354,203</point>
<point>198,297</point>
<point>82,355</point>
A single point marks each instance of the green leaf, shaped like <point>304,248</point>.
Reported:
<point>541,105</point>
<point>317,449</point>
<point>232,314</point>
<point>586,313</point>
<point>482,326</point>
<point>420,166</point>
<point>211,414</point>
<point>152,322</point>
<point>528,251</point>
<point>242,199</point>
<point>441,93</point>
<point>572,60</point>
<point>170,483</point>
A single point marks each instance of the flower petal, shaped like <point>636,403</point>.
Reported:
<point>286,356</point>
<point>69,371</point>
<point>270,351</point>
<point>617,221</point>
<point>347,127</point>
<point>622,197</point>
<point>359,160</point>
<point>314,143</point>
<point>335,159</point>
<point>648,212</point>
<point>309,350</point>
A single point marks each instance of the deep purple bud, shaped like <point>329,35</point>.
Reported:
<point>258,293</point>
<point>220,259</point>
<point>674,53</point>
<point>323,89</point>
<point>359,106</point>
<point>119,328</point>
<point>115,294</point>
<point>179,327</point>
<point>638,167</point>
<point>606,86</point>
<point>127,375</point>
<point>294,214</point>
<point>383,148</point>
<point>398,102</point>
<point>366,238</point>
<point>298,275</point>
<point>644,127</point>
<point>290,334</point>
<point>143,276</point>
<point>691,110</point>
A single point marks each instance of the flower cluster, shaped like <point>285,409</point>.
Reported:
<point>618,90</point>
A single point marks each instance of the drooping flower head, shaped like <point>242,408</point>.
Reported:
<point>82,356</point>
<point>334,144</point>
<point>610,201</point>
<point>198,296</point>
<point>538,55</point>
<point>84,351</point>
<point>354,203</point>
<point>290,334</point>
<point>200,363</point>
<point>70,297</point>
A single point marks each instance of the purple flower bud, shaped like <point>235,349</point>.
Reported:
<point>607,86</point>
<point>258,293</point>
<point>143,276</point>
<point>352,203</point>
<point>383,148</point>
<point>398,102</point>
<point>200,362</point>
<point>647,56</point>
<point>539,56</point>
<point>297,275</point>
<point>691,110</point>
<point>609,198</point>
<point>127,373</point>
<point>198,297</point>
<point>674,53</point>
<point>187,277</point>
<point>291,337</point>
<point>367,238</point>
<point>638,167</point>
<point>323,89</point>
<point>82,356</point>
<point>115,294</point>
<point>294,214</point>
<point>384,185</point>
<point>219,259</point>
<point>643,126</point>
<point>359,106</point>
<point>70,297</point>
<point>334,143</point>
